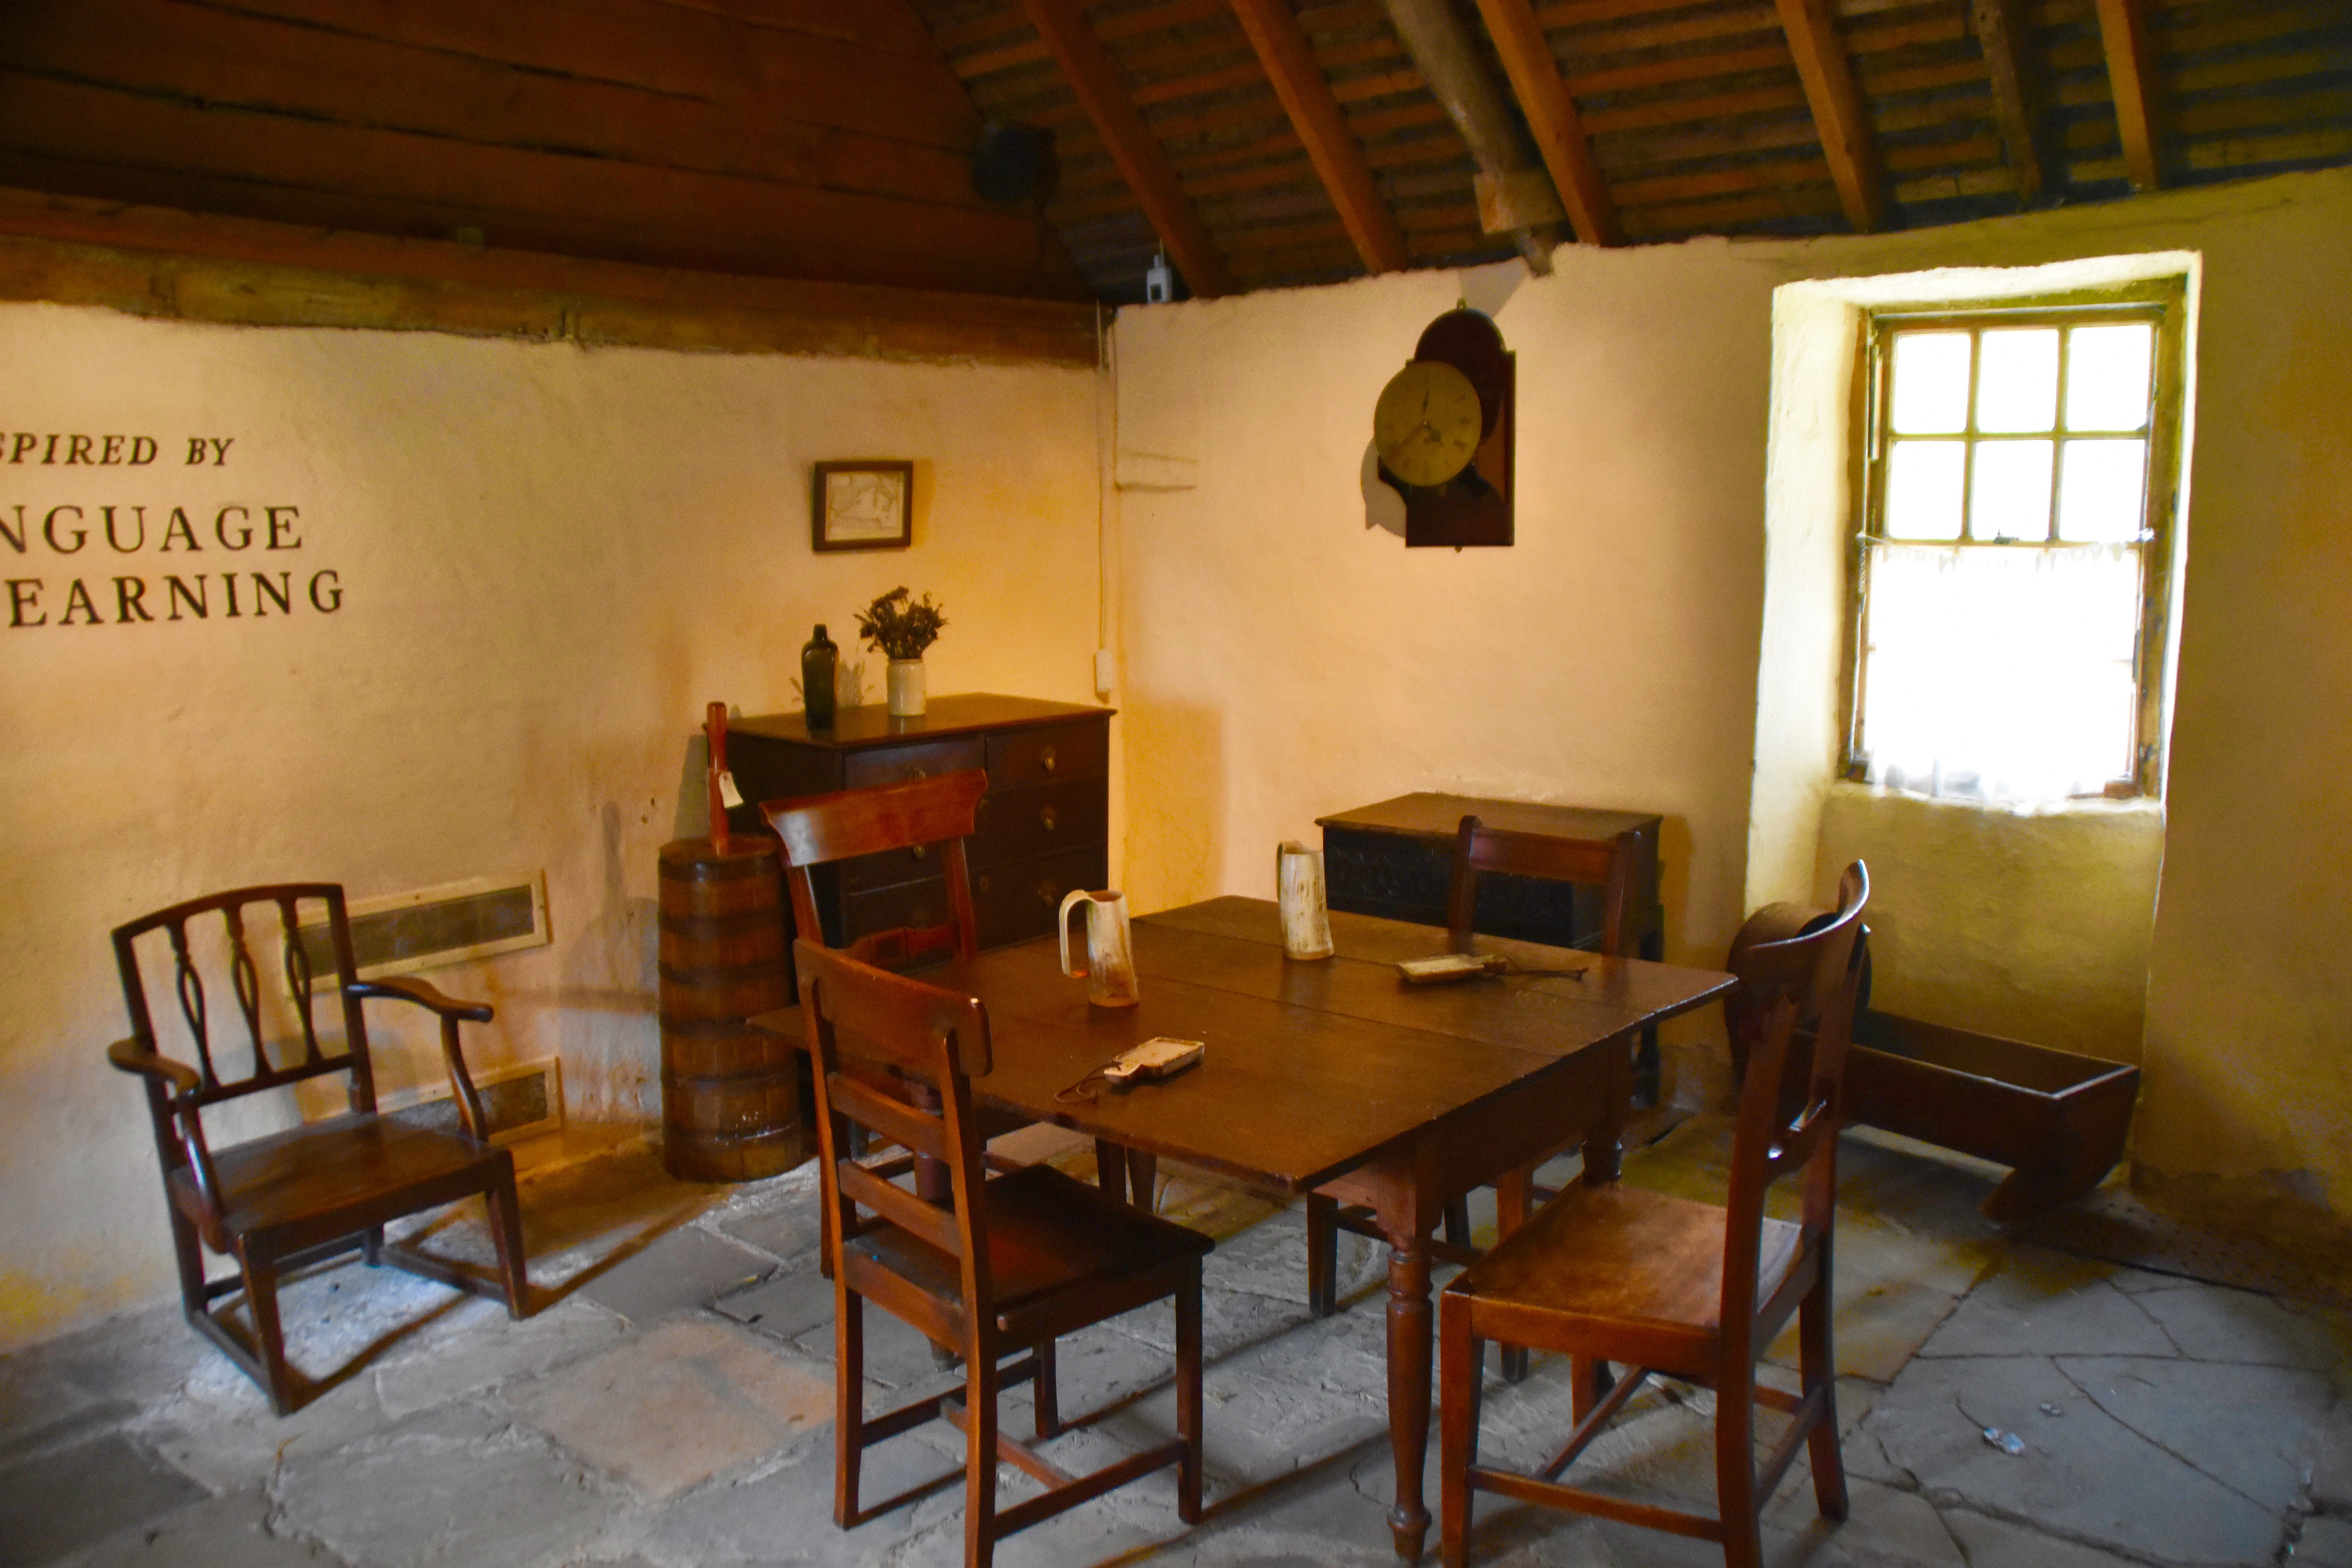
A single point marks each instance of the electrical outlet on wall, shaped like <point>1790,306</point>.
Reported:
<point>1103,672</point>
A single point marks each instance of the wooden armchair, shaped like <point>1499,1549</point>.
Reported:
<point>1002,1266</point>
<point>281,1201</point>
<point>1615,868</point>
<point>1683,1288</point>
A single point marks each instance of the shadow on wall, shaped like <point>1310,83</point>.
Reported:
<point>1176,829</point>
<point>606,1035</point>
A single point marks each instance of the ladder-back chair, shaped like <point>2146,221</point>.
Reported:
<point>1680,1287</point>
<point>925,820</point>
<point>1002,1266</point>
<point>1615,868</point>
<point>282,1200</point>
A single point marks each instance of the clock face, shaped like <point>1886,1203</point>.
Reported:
<point>1427,423</point>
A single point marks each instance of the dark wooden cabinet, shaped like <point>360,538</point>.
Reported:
<point>1044,826</point>
<point>1396,859</point>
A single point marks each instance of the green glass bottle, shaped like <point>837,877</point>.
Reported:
<point>820,657</point>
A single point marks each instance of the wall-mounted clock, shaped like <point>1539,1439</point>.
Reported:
<point>1428,423</point>
<point>1454,471</point>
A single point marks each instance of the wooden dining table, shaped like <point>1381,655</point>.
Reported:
<point>1335,1074</point>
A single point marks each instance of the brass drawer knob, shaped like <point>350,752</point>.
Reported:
<point>919,851</point>
<point>1045,819</point>
<point>1049,895</point>
<point>1045,758</point>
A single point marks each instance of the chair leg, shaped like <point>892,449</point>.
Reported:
<point>1735,1467</point>
<point>1460,1355</point>
<point>1143,1180</point>
<point>1322,1255</point>
<point>371,1243</point>
<point>1586,1384</point>
<point>187,1251</point>
<point>979,1459</point>
<point>1457,1220</point>
<point>1048,1393</point>
<point>849,1402</point>
<point>1188,1398</point>
<point>1819,1371</point>
<point>506,1236</point>
<point>269,1340</point>
<point>1514,1202</point>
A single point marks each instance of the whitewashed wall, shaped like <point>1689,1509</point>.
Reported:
<point>549,560</point>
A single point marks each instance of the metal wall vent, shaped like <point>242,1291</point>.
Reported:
<point>519,1101</point>
<point>403,932</point>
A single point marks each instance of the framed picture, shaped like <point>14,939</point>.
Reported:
<point>868,504</point>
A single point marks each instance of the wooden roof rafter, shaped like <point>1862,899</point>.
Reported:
<point>2015,107</point>
<point>2123,33</point>
<point>1314,109</point>
<point>1827,72</point>
<point>1096,82</point>
<point>1552,117</point>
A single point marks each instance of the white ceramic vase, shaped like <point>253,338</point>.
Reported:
<point>906,680</point>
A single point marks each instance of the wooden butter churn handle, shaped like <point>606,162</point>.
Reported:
<point>714,730</point>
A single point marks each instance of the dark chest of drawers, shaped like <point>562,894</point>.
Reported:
<point>1043,825</point>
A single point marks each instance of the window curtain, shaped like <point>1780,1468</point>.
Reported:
<point>1999,672</point>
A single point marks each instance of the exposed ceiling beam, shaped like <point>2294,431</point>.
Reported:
<point>2013,100</point>
<point>1827,72</point>
<point>1306,93</point>
<point>1457,75</point>
<point>1551,115</point>
<point>2123,29</point>
<point>1100,92</point>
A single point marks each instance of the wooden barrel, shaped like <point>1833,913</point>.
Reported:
<point>730,1093</point>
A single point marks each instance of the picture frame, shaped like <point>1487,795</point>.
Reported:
<point>866,503</point>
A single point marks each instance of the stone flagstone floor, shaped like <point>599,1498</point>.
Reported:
<point>669,1403</point>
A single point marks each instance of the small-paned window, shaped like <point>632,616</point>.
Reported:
<point>2011,579</point>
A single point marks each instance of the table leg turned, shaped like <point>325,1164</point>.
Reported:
<point>1409,1363</point>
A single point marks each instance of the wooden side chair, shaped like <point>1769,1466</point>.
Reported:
<point>922,818</point>
<point>1681,1287</point>
<point>1615,868</point>
<point>284,1200</point>
<point>1002,1266</point>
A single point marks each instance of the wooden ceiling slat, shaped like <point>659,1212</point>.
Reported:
<point>1778,175</point>
<point>1645,32</point>
<point>1306,93</point>
<point>1723,215</point>
<point>2123,33</point>
<point>1695,110</point>
<point>2014,94</point>
<point>1877,38</point>
<point>2284,111</point>
<point>1147,95</point>
<point>1373,124</point>
<point>1552,118</point>
<point>1999,179</point>
<point>2291,147</point>
<point>558,236</point>
<point>2248,26</point>
<point>891,26</point>
<point>1879,82</point>
<point>228,60</point>
<point>1680,69</point>
<point>669,48</point>
<point>1095,83</point>
<point>1828,75</point>
<point>500,186</point>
